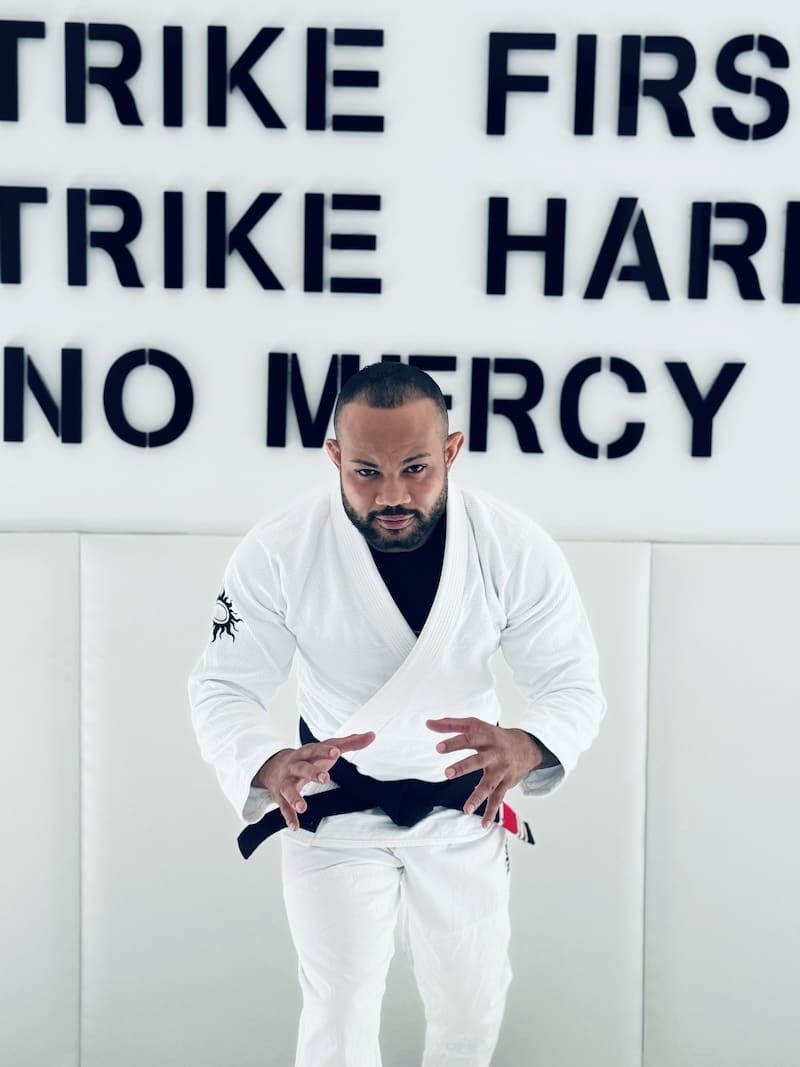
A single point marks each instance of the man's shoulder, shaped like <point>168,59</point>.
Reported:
<point>492,517</point>
<point>290,526</point>
<point>512,547</point>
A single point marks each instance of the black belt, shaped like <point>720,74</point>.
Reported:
<point>405,800</point>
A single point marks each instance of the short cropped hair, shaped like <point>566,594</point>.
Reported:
<point>389,385</point>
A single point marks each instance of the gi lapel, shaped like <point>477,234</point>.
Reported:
<point>420,654</point>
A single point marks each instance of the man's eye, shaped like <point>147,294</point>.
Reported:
<point>415,468</point>
<point>365,472</point>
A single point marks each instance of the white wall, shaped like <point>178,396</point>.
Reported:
<point>435,168</point>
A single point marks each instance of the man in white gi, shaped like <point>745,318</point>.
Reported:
<point>391,594</point>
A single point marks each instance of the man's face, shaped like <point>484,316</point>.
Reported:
<point>393,465</point>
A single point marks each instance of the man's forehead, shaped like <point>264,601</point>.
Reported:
<point>413,425</point>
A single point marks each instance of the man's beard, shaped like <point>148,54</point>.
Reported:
<point>402,541</point>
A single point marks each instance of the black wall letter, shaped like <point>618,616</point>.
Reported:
<point>736,256</point>
<point>702,409</point>
<point>666,90</point>
<point>774,94</point>
<point>285,379</point>
<point>501,83</point>
<point>173,240</point>
<point>585,75</point>
<point>181,385</point>
<point>500,242</point>
<point>221,82</point>
<point>11,31</point>
<point>317,80</point>
<point>12,197</point>
<point>173,75</point>
<point>113,79</point>
<point>313,280</point>
<point>570,408</point>
<point>66,422</point>
<point>113,242</point>
<point>647,270</point>
<point>516,411</point>
<point>221,244</point>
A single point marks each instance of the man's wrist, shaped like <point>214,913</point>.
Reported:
<point>259,781</point>
<point>549,759</point>
<point>529,754</point>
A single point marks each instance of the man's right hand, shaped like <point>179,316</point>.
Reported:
<point>285,773</point>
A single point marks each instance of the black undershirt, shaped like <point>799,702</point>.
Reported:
<point>412,579</point>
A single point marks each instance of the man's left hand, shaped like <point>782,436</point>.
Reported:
<point>504,754</point>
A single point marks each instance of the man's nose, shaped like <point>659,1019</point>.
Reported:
<point>392,493</point>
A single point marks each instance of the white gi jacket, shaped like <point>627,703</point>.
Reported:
<point>303,584</point>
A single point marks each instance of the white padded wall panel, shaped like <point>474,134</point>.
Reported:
<point>185,951</point>
<point>577,897</point>
<point>723,850</point>
<point>186,955</point>
<point>40,809</point>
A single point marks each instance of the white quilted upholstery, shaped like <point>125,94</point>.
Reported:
<point>723,845</point>
<point>138,935</point>
<point>40,810</point>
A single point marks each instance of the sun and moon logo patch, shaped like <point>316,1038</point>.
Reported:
<point>225,618</point>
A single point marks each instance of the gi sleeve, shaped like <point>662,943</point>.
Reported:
<point>551,652</point>
<point>248,657</point>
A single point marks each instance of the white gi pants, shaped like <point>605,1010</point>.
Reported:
<point>343,904</point>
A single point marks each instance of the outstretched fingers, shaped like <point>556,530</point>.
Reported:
<point>353,742</point>
<point>492,793</point>
<point>492,753</point>
<point>454,744</point>
<point>472,735</point>
<point>311,763</point>
<point>291,804</point>
<point>466,766</point>
<point>466,726</point>
<point>312,770</point>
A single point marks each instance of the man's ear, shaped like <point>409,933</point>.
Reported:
<point>334,451</point>
<point>452,447</point>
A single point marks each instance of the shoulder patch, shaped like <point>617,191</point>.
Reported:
<point>225,618</point>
